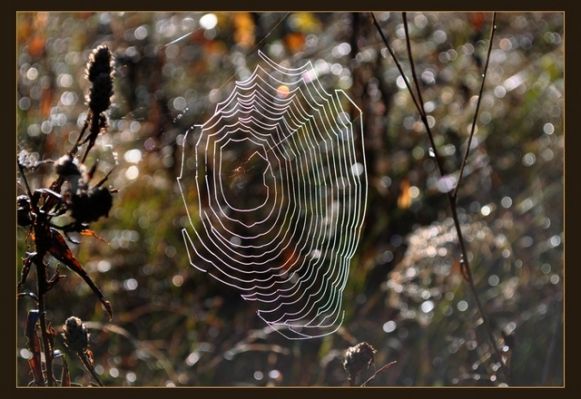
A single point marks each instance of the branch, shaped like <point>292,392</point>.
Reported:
<point>421,109</point>
<point>399,67</point>
<point>48,354</point>
<point>384,367</point>
<point>75,147</point>
<point>467,273</point>
<point>473,127</point>
<point>87,363</point>
<point>412,64</point>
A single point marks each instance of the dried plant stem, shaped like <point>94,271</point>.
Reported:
<point>397,63</point>
<point>84,158</point>
<point>452,196</point>
<point>37,259</point>
<point>86,362</point>
<point>420,107</point>
<point>384,367</point>
<point>75,147</point>
<point>47,347</point>
<point>475,119</point>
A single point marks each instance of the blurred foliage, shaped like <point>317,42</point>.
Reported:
<point>176,326</point>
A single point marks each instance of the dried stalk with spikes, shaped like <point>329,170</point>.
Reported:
<point>69,194</point>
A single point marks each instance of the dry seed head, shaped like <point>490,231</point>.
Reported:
<point>358,358</point>
<point>67,166</point>
<point>100,74</point>
<point>76,334</point>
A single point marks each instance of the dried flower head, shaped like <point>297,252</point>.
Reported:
<point>358,358</point>
<point>100,62</point>
<point>67,166</point>
<point>100,74</point>
<point>76,335</point>
<point>89,206</point>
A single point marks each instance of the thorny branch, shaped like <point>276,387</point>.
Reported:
<point>452,196</point>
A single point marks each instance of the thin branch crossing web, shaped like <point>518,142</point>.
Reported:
<point>275,188</point>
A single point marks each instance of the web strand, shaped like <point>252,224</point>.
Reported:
<point>276,191</point>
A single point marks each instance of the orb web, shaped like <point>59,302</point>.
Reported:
<point>275,188</point>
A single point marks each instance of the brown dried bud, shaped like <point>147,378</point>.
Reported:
<point>76,335</point>
<point>100,62</point>
<point>100,74</point>
<point>358,358</point>
<point>89,207</point>
<point>67,166</point>
<point>100,94</point>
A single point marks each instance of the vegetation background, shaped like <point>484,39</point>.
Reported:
<point>173,325</point>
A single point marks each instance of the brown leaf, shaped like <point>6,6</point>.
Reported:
<point>61,251</point>
<point>91,233</point>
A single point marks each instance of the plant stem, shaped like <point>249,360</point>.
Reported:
<point>75,147</point>
<point>90,368</point>
<point>47,347</point>
<point>384,367</point>
<point>420,107</point>
<point>473,127</point>
<point>399,67</point>
<point>451,196</point>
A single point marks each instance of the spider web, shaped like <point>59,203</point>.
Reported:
<point>275,191</point>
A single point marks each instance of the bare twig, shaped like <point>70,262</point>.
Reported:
<point>473,127</point>
<point>451,196</point>
<point>75,147</point>
<point>420,107</point>
<point>87,363</point>
<point>399,67</point>
<point>384,367</point>
<point>413,64</point>
<point>47,347</point>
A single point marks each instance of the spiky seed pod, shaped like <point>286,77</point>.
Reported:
<point>100,74</point>
<point>100,62</point>
<point>89,207</point>
<point>358,358</point>
<point>76,335</point>
<point>100,94</point>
